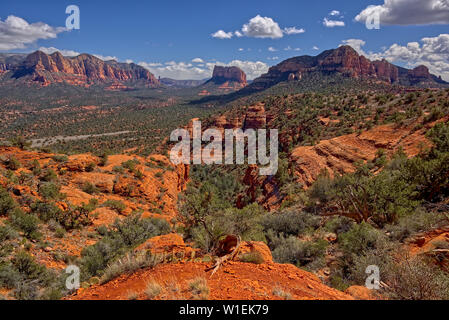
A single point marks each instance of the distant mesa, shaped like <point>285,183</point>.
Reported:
<point>228,75</point>
<point>83,70</point>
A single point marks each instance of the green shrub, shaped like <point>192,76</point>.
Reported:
<point>291,222</point>
<point>12,163</point>
<point>118,169</point>
<point>90,167</point>
<point>50,190</point>
<point>199,288</point>
<point>46,211</point>
<point>89,188</point>
<point>360,238</point>
<point>251,257</point>
<point>128,264</point>
<point>117,205</point>
<point>415,279</point>
<point>309,254</point>
<point>130,164</point>
<point>60,158</point>
<point>417,222</point>
<point>7,203</point>
<point>121,237</point>
<point>49,175</point>
<point>25,222</point>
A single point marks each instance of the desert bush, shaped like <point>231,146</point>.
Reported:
<point>12,163</point>
<point>308,254</point>
<point>90,167</point>
<point>130,164</point>
<point>121,237</point>
<point>359,238</point>
<point>49,175</point>
<point>7,233</point>
<point>20,142</point>
<point>291,221</point>
<point>117,205</point>
<point>419,221</point>
<point>36,167</point>
<point>139,175</point>
<point>50,190</point>
<point>251,257</point>
<point>60,158</point>
<point>281,293</point>
<point>118,169</point>
<point>153,289</point>
<point>89,188</point>
<point>338,225</point>
<point>206,230</point>
<point>7,203</point>
<point>46,211</point>
<point>414,279</point>
<point>130,263</point>
<point>199,288</point>
<point>25,222</point>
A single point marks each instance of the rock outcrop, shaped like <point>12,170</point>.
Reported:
<point>83,69</point>
<point>223,74</point>
<point>344,60</point>
<point>255,118</point>
<point>340,154</point>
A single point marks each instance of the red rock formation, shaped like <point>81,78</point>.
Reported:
<point>344,60</point>
<point>256,117</point>
<point>385,71</point>
<point>340,154</point>
<point>347,61</point>
<point>232,74</point>
<point>81,69</point>
<point>420,73</point>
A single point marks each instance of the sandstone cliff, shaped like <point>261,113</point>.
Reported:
<point>83,69</point>
<point>224,74</point>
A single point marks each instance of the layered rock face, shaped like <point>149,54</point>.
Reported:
<point>420,73</point>
<point>344,60</point>
<point>256,117</point>
<point>228,74</point>
<point>81,69</point>
<point>341,154</point>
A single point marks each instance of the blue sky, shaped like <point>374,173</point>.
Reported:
<point>165,36</point>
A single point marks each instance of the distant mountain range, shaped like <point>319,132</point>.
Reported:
<point>347,61</point>
<point>86,69</point>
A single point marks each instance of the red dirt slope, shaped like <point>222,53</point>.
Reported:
<point>234,281</point>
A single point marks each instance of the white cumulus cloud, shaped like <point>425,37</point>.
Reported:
<point>293,30</point>
<point>333,23</point>
<point>334,13</point>
<point>259,27</point>
<point>408,12</point>
<point>17,33</point>
<point>65,53</point>
<point>220,34</point>
<point>357,44</point>
<point>262,27</point>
